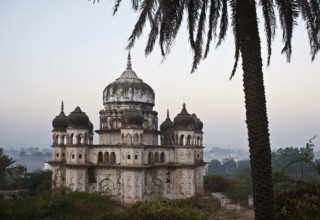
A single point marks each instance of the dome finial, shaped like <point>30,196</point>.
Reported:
<point>62,112</point>
<point>168,113</point>
<point>62,106</point>
<point>129,65</point>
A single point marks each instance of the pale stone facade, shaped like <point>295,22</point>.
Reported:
<point>129,164</point>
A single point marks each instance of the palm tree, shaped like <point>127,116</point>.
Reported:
<point>166,16</point>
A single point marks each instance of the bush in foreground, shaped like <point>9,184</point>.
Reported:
<point>298,201</point>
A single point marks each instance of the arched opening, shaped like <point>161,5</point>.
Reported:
<point>123,140</point>
<point>85,139</point>
<point>119,124</point>
<point>113,157</point>
<point>79,139</point>
<point>150,158</point>
<point>162,158</point>
<point>71,138</point>
<point>106,157</point>
<point>114,123</point>
<point>198,141</point>
<point>181,139</point>
<point>63,137</point>
<point>156,157</point>
<point>128,139</point>
<point>56,139</point>
<point>136,139</point>
<point>128,156</point>
<point>189,141</point>
<point>136,156</point>
<point>100,157</point>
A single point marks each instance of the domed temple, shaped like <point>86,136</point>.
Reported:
<point>129,163</point>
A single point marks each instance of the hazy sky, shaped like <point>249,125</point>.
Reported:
<point>71,50</point>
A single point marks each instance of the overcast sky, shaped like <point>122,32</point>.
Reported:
<point>71,50</point>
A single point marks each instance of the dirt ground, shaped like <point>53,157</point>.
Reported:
<point>245,214</point>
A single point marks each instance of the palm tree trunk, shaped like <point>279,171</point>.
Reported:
<point>256,111</point>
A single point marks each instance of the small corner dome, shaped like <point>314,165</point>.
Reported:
<point>128,88</point>
<point>184,121</point>
<point>132,119</point>
<point>60,123</point>
<point>198,123</point>
<point>78,119</point>
<point>90,125</point>
<point>167,124</point>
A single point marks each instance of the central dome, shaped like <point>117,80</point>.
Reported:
<point>128,88</point>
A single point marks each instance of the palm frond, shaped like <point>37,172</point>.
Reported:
<point>223,22</point>
<point>235,29</point>
<point>135,4</point>
<point>288,12</point>
<point>199,40</point>
<point>154,32</point>
<point>116,6</point>
<point>193,14</point>
<point>164,41</point>
<point>178,6</point>
<point>146,7</point>
<point>309,14</point>
<point>269,24</point>
<point>215,7</point>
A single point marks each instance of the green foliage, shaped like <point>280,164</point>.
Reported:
<point>240,188</point>
<point>229,167</point>
<point>298,201</point>
<point>160,209</point>
<point>237,188</point>
<point>214,183</point>
<point>61,205</point>
<point>5,162</point>
<point>77,205</point>
<point>296,163</point>
<point>38,181</point>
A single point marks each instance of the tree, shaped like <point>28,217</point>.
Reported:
<point>216,168</point>
<point>5,162</point>
<point>297,163</point>
<point>165,19</point>
<point>230,166</point>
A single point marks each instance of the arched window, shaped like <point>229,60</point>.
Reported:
<point>106,157</point>
<point>113,157</point>
<point>123,140</point>
<point>100,157</point>
<point>198,141</point>
<point>181,139</point>
<point>62,139</point>
<point>71,138</point>
<point>136,156</point>
<point>136,139</point>
<point>189,141</point>
<point>156,157</point>
<point>128,156</point>
<point>150,158</point>
<point>128,139</point>
<point>79,139</point>
<point>56,139</point>
<point>162,157</point>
